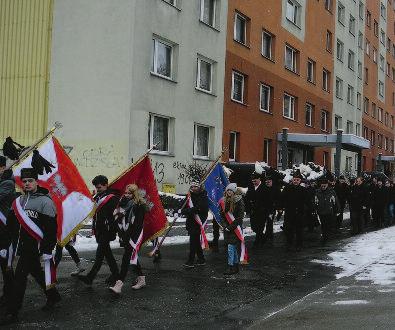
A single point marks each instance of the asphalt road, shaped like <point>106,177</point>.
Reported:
<point>197,298</point>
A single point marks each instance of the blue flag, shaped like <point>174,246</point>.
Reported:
<point>215,185</point>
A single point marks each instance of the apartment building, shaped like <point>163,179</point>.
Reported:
<point>279,74</point>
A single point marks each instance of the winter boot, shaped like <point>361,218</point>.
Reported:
<point>53,297</point>
<point>117,288</point>
<point>140,283</point>
<point>78,270</point>
<point>85,278</point>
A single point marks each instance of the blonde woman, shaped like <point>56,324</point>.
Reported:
<point>130,217</point>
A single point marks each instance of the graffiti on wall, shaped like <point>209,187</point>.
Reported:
<point>99,157</point>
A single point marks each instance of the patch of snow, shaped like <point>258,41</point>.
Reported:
<point>351,302</point>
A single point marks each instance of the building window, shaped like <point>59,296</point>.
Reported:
<point>365,133</point>
<point>392,121</point>
<point>393,74</point>
<point>291,58</point>
<point>374,110</point>
<point>265,98</point>
<point>328,5</point>
<point>329,41</point>
<point>368,19</point>
<point>233,139</point>
<point>159,133</point>
<point>339,88</point>
<point>382,63</point>
<point>366,105</point>
<point>367,47</point>
<point>325,80</point>
<point>208,11</point>
<point>388,70</point>
<point>201,141</point>
<point>383,11</point>
<point>374,55</point>
<point>240,29</point>
<point>359,101</point>
<point>376,28</point>
<point>380,115</point>
<point>348,164</point>
<point>386,119</point>
<point>289,107</point>
<point>351,27</point>
<point>341,13</point>
<point>366,76</point>
<point>357,129</point>
<point>338,123</point>
<point>388,44</point>
<point>293,12</point>
<point>324,120</point>
<point>372,138</point>
<point>266,150</point>
<point>309,114</point>
<point>382,37</point>
<point>238,81</point>
<point>339,50</point>
<point>379,141</point>
<point>381,88</point>
<point>349,127</point>
<point>359,70</point>
<point>360,40</point>
<point>204,79</point>
<point>361,10</point>
<point>350,95</point>
<point>311,71</point>
<point>351,60</point>
<point>162,58</point>
<point>267,45</point>
<point>386,143</point>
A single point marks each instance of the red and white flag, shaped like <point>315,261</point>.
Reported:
<point>68,190</point>
<point>141,174</point>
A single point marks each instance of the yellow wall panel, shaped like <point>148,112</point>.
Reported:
<point>25,43</point>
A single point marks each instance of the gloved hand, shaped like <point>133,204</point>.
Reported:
<point>46,257</point>
<point>227,229</point>
<point>3,253</point>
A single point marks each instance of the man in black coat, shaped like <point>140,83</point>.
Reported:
<point>199,209</point>
<point>358,205</point>
<point>379,200</point>
<point>270,200</point>
<point>105,229</point>
<point>342,191</point>
<point>256,208</point>
<point>293,200</point>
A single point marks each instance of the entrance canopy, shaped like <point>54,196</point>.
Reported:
<point>387,158</point>
<point>350,142</point>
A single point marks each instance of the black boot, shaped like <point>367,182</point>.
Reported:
<point>53,297</point>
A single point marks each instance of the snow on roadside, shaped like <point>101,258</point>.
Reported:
<point>365,252</point>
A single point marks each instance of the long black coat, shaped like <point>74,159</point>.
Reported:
<point>358,197</point>
<point>379,197</point>
<point>200,207</point>
<point>255,207</point>
<point>271,196</point>
<point>342,192</point>
<point>294,199</point>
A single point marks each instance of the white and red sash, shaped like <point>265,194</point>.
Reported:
<point>203,238</point>
<point>25,221</point>
<point>103,201</point>
<point>34,231</point>
<point>3,219</point>
<point>238,231</point>
<point>136,247</point>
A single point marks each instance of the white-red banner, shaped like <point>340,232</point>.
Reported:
<point>67,188</point>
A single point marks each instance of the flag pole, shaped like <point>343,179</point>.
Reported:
<point>205,176</point>
<point>26,153</point>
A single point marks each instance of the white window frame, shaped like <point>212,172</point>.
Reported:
<point>199,60</point>
<point>340,46</point>
<point>292,100</point>
<point>294,53</point>
<point>152,117</point>
<point>339,88</point>
<point>329,38</point>
<point>351,60</point>
<point>295,7</point>
<point>341,13</point>
<point>351,27</point>
<point>325,80</point>
<point>269,89</point>
<point>311,113</point>
<point>241,17</point>
<point>154,69</point>
<point>195,142</point>
<point>234,146</point>
<point>359,101</point>
<point>202,3</point>
<point>358,129</point>
<point>270,56</point>
<point>349,127</point>
<point>381,88</point>
<point>374,55</point>
<point>311,64</point>
<point>326,117</point>
<point>350,95</point>
<point>234,73</point>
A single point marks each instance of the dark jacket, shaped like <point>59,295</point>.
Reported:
<point>358,197</point>
<point>7,191</point>
<point>342,192</point>
<point>103,224</point>
<point>230,236</point>
<point>379,197</point>
<point>326,202</point>
<point>271,196</point>
<point>200,207</point>
<point>294,199</point>
<point>42,211</point>
<point>255,207</point>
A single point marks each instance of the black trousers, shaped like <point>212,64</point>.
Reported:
<point>339,218</point>
<point>357,221</point>
<point>73,253</point>
<point>127,254</point>
<point>293,226</point>
<point>195,249</point>
<point>8,277</point>
<point>215,232</point>
<point>29,263</point>
<point>104,251</point>
<point>378,215</point>
<point>269,226</point>
<point>327,222</point>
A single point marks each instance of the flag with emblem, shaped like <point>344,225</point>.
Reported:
<point>58,174</point>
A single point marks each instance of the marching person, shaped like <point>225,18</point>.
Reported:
<point>358,205</point>
<point>33,221</point>
<point>104,228</point>
<point>7,195</point>
<point>379,200</point>
<point>130,214</point>
<point>255,208</point>
<point>232,207</point>
<point>327,206</point>
<point>270,195</point>
<point>293,201</point>
<point>196,213</point>
<point>342,190</point>
<point>73,254</point>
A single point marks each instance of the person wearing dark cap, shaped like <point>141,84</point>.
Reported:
<point>379,202</point>
<point>326,205</point>
<point>7,196</point>
<point>32,221</point>
<point>293,199</point>
<point>255,208</point>
<point>342,190</point>
<point>104,228</point>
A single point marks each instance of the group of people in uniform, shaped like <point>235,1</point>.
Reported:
<point>28,225</point>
